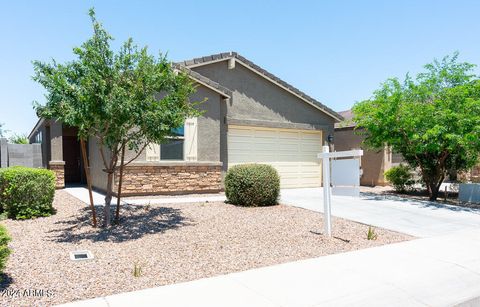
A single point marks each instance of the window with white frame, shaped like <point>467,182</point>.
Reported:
<point>181,146</point>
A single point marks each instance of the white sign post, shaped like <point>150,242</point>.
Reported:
<point>327,212</point>
<point>326,155</point>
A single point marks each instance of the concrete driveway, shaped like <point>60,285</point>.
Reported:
<point>417,218</point>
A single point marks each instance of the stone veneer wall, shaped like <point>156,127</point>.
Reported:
<point>148,178</point>
<point>58,167</point>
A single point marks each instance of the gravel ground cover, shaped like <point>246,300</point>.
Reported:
<point>169,243</point>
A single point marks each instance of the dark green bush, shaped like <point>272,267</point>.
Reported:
<point>4,250</point>
<point>26,192</point>
<point>400,177</point>
<point>252,185</point>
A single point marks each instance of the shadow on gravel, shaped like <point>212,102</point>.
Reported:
<point>135,222</point>
<point>5,281</point>
<point>418,202</point>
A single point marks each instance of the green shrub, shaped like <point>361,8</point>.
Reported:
<point>400,177</point>
<point>4,250</point>
<point>371,234</point>
<point>252,185</point>
<point>26,192</point>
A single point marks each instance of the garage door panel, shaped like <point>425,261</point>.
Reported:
<point>286,158</point>
<point>305,158</point>
<point>293,153</point>
<point>308,146</point>
<point>289,148</point>
<point>263,147</point>
<point>265,134</point>
<point>309,136</point>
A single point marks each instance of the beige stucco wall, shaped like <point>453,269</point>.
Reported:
<point>258,99</point>
<point>210,124</point>
<point>374,163</point>
<point>99,177</point>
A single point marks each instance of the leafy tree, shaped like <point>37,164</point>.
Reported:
<point>2,130</point>
<point>19,139</point>
<point>123,99</point>
<point>432,120</point>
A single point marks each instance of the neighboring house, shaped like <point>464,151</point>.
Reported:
<point>373,163</point>
<point>250,116</point>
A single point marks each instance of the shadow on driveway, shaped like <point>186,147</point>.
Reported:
<point>417,202</point>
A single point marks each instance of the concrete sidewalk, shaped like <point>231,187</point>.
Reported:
<point>413,217</point>
<point>439,271</point>
<point>99,199</point>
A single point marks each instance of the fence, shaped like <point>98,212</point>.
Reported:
<point>20,154</point>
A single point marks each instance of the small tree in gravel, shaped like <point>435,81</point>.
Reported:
<point>114,97</point>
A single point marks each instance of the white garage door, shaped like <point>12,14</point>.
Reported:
<point>292,152</point>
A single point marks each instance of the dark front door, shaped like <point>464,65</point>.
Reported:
<point>72,158</point>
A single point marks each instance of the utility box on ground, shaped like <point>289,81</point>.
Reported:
<point>469,192</point>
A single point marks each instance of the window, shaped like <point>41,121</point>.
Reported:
<point>174,148</point>
<point>38,137</point>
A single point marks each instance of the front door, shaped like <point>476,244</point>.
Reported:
<point>72,158</point>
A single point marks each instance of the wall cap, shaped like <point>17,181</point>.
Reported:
<point>175,163</point>
<point>56,163</point>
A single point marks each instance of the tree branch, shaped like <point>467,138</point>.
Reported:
<point>137,155</point>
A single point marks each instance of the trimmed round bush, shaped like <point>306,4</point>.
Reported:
<point>26,192</point>
<point>400,177</point>
<point>252,185</point>
<point>4,250</point>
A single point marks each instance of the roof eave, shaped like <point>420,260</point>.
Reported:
<point>223,91</point>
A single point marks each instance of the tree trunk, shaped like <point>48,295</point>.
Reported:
<point>433,189</point>
<point>120,180</point>
<point>108,199</point>
<point>433,186</point>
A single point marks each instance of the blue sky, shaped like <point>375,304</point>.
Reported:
<point>335,51</point>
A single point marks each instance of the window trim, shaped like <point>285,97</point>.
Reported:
<point>178,137</point>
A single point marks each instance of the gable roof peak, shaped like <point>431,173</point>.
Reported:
<point>264,73</point>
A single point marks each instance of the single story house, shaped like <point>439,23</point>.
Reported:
<point>251,116</point>
<point>374,163</point>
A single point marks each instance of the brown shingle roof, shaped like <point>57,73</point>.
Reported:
<point>348,120</point>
